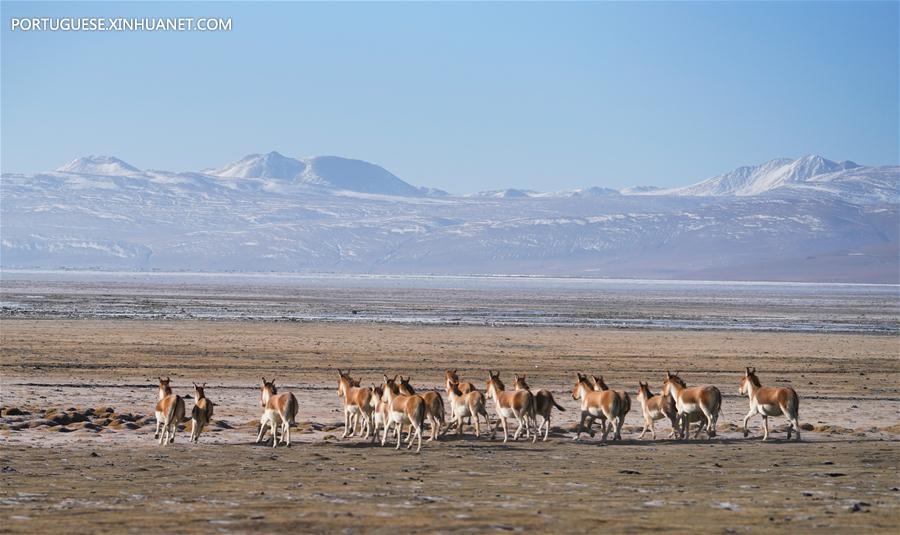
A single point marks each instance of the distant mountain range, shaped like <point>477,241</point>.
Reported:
<point>809,219</point>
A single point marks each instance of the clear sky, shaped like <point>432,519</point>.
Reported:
<point>462,96</point>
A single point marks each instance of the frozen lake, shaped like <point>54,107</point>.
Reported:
<point>491,300</point>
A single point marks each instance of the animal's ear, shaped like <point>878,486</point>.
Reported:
<point>454,370</point>
<point>203,385</point>
<point>668,374</point>
<point>395,377</point>
<point>385,378</point>
<point>523,376</point>
<point>754,370</point>
<point>517,376</point>
<point>340,373</point>
<point>263,380</point>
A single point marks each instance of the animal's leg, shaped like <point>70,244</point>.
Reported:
<point>433,421</point>
<point>766,427</point>
<point>794,423</point>
<point>158,424</point>
<point>274,428</point>
<point>262,431</point>
<point>580,426</point>
<point>518,428</point>
<point>387,428</point>
<point>487,419</point>
<point>505,429</point>
<point>606,428</point>
<point>747,419</point>
<point>546,427</point>
<point>346,432</point>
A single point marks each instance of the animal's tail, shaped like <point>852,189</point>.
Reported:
<point>626,399</point>
<point>440,410</point>
<point>170,414</point>
<point>793,404</point>
<point>419,413</point>
<point>291,410</point>
<point>553,401</point>
<point>718,408</point>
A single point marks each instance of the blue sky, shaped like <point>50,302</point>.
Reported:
<point>462,96</point>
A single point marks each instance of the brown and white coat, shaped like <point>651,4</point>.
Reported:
<point>770,401</point>
<point>544,404</point>
<point>169,412</point>
<point>519,405</point>
<point>279,412</point>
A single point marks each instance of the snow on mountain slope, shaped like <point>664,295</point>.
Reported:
<point>323,171</point>
<point>98,165</point>
<point>356,175</point>
<point>821,224</point>
<point>760,179</point>
<point>271,165</point>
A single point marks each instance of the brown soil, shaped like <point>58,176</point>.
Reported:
<point>77,426</point>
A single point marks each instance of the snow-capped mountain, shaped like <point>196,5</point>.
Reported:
<point>325,171</point>
<point>806,172</point>
<point>271,165</point>
<point>808,219</point>
<point>98,165</point>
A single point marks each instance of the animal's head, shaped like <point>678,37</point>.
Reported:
<point>582,385</point>
<point>749,378</point>
<point>520,383</point>
<point>390,386</point>
<point>405,388</point>
<point>644,390</point>
<point>494,384</point>
<point>198,390</point>
<point>164,387</point>
<point>597,383</point>
<point>268,390</point>
<point>673,381</point>
<point>377,392</point>
<point>344,382</point>
<point>450,375</point>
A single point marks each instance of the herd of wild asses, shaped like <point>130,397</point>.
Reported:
<point>395,404</point>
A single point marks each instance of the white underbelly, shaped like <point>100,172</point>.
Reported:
<point>769,410</point>
<point>595,411</point>
<point>507,413</point>
<point>398,417</point>
<point>462,411</point>
<point>689,408</point>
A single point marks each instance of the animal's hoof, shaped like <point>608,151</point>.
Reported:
<point>746,433</point>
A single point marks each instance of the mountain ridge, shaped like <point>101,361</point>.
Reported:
<point>778,176</point>
<point>826,222</point>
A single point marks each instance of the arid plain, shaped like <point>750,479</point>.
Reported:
<point>78,450</point>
